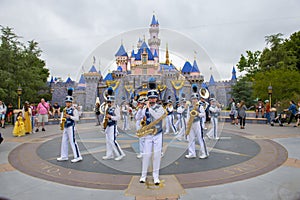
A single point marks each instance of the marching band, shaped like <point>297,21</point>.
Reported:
<point>149,118</point>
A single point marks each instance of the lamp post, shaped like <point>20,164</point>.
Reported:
<point>270,91</point>
<point>19,92</point>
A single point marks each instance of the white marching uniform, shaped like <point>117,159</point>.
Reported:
<point>69,134</point>
<point>183,120</point>
<point>152,142</point>
<point>138,119</point>
<point>113,148</point>
<point>170,120</point>
<point>125,114</point>
<point>197,132</point>
<point>214,113</point>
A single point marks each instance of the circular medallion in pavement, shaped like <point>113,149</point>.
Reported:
<point>234,157</point>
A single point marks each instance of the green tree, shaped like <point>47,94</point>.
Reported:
<point>242,90</point>
<point>249,63</point>
<point>20,65</point>
<point>285,84</point>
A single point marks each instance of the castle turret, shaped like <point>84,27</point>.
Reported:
<point>154,41</point>
<point>167,55</point>
<point>122,58</point>
<point>91,79</point>
<point>233,77</point>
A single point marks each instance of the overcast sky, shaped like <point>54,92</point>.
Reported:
<point>69,31</point>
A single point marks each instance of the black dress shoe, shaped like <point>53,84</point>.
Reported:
<point>43,129</point>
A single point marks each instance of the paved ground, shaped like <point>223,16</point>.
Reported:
<point>259,162</point>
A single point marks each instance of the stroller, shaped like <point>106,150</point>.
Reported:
<point>280,118</point>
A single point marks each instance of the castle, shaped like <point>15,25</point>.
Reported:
<point>133,73</point>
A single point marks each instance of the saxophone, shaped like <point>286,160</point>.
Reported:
<point>105,121</point>
<point>193,114</point>
<point>63,119</point>
<point>147,130</point>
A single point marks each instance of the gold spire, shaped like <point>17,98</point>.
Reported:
<point>167,55</point>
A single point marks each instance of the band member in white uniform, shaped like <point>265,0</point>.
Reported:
<point>214,114</point>
<point>170,118</point>
<point>196,130</point>
<point>141,105</point>
<point>205,105</point>
<point>125,115</point>
<point>70,115</point>
<point>113,149</point>
<point>182,110</point>
<point>153,143</point>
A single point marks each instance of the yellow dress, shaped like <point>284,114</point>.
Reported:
<point>28,127</point>
<point>19,128</point>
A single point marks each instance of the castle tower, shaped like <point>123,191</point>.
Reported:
<point>91,79</point>
<point>154,41</point>
<point>122,58</point>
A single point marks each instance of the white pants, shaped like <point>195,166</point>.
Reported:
<point>196,132</point>
<point>213,132</point>
<point>141,139</point>
<point>170,123</point>
<point>152,143</point>
<point>182,133</point>
<point>178,124</point>
<point>69,136</point>
<point>126,123</point>
<point>112,147</point>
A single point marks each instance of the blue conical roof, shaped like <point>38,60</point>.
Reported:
<point>119,69</point>
<point>138,55</point>
<point>187,67</point>
<point>155,53</point>
<point>82,79</point>
<point>195,67</point>
<point>233,77</point>
<point>69,80</point>
<point>121,51</point>
<point>93,69</point>
<point>211,80</point>
<point>203,85</point>
<point>154,21</point>
<point>108,77</point>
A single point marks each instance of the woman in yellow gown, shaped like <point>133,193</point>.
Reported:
<point>27,117</point>
<point>19,128</point>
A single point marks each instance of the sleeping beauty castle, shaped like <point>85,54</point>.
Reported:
<point>135,69</point>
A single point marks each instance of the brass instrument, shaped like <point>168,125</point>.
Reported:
<point>105,121</point>
<point>193,114</point>
<point>63,119</point>
<point>147,129</point>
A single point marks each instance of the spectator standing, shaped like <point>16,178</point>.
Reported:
<point>97,113</point>
<point>26,111</point>
<point>42,111</point>
<point>9,113</point>
<point>233,112</point>
<point>268,108</point>
<point>33,115</point>
<point>242,114</point>
<point>2,113</point>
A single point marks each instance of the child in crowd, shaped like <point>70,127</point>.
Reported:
<point>19,128</point>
